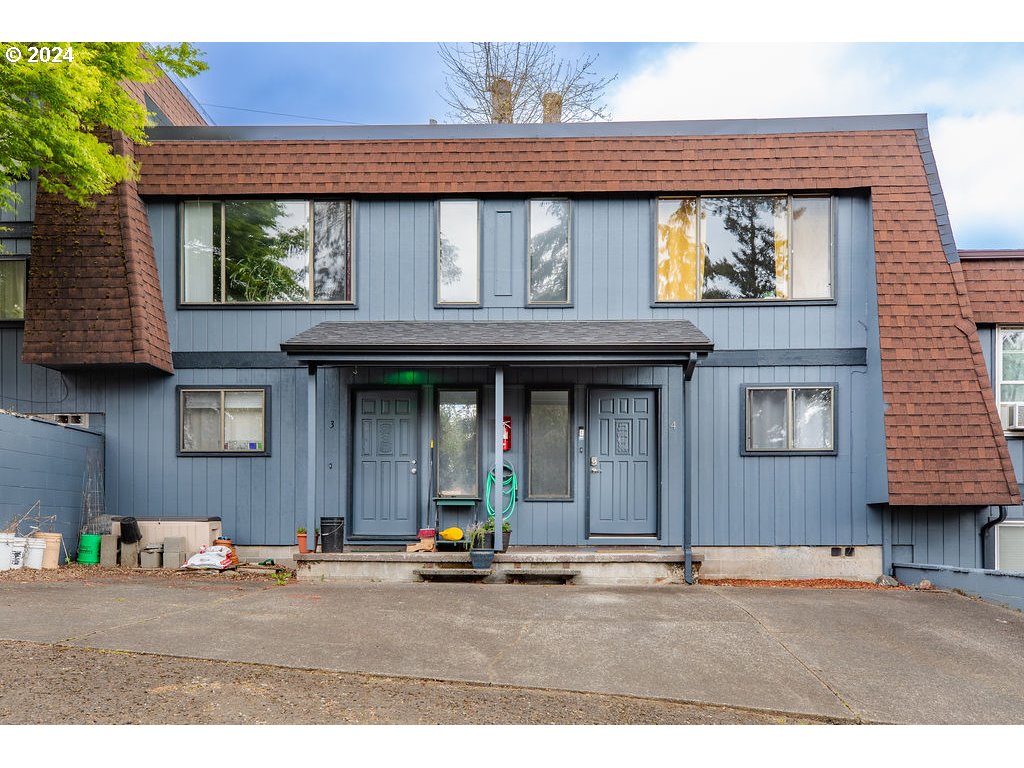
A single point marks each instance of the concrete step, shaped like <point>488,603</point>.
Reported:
<point>647,566</point>
<point>453,574</point>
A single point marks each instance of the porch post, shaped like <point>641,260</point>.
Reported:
<point>499,469</point>
<point>311,458</point>
<point>687,471</point>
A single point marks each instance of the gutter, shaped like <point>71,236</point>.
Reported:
<point>985,529</point>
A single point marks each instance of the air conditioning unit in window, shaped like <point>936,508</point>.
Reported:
<point>1017,416</point>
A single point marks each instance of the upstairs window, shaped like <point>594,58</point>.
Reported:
<point>266,252</point>
<point>458,252</point>
<point>749,247</point>
<point>549,252</point>
<point>13,268</point>
<point>1010,377</point>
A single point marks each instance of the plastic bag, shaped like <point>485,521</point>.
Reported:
<point>213,558</point>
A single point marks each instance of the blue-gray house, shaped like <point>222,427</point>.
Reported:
<point>751,340</point>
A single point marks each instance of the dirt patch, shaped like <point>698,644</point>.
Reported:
<point>87,573</point>
<point>70,685</point>
<point>798,584</point>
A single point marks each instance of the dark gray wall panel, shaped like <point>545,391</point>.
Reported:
<point>46,463</point>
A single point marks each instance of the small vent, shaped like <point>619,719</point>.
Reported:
<point>69,419</point>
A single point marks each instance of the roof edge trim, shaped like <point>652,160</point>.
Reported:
<point>759,126</point>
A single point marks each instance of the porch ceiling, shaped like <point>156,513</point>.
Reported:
<point>509,343</point>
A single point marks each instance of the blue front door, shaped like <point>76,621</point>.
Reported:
<point>622,465</point>
<point>386,466</point>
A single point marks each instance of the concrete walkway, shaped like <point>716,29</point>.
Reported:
<point>905,657</point>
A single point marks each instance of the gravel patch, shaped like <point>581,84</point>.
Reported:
<point>62,685</point>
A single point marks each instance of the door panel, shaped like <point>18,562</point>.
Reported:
<point>622,466</point>
<point>386,471</point>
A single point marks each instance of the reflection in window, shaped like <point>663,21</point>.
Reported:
<point>12,288</point>
<point>790,419</point>
<point>677,250</point>
<point>223,420</point>
<point>1010,377</point>
<point>458,437</point>
<point>549,444</point>
<point>549,252</point>
<point>458,263</point>
<point>743,247</point>
<point>262,251</point>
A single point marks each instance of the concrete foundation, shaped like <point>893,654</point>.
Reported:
<point>282,555</point>
<point>863,564</point>
<point>621,568</point>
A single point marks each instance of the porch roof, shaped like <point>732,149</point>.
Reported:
<point>563,342</point>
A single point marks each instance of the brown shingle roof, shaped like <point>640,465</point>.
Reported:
<point>944,444</point>
<point>995,284</point>
<point>94,291</point>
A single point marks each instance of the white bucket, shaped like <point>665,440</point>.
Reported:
<point>34,551</point>
<point>6,545</point>
<point>17,552</point>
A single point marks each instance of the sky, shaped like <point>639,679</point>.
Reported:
<point>973,95</point>
<point>972,92</point>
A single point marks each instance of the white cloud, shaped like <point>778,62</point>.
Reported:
<point>974,97</point>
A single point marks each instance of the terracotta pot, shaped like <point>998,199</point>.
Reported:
<point>302,537</point>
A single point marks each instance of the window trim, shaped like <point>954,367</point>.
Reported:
<point>17,322</point>
<point>570,273</point>
<point>746,450</point>
<point>223,304</point>
<point>527,438</point>
<point>478,394</point>
<point>438,302</point>
<point>754,302</point>
<point>998,379</point>
<point>222,388</point>
<point>995,554</point>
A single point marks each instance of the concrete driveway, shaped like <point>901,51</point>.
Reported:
<point>902,657</point>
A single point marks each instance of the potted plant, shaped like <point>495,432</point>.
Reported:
<point>480,557</point>
<point>506,534</point>
<point>301,536</point>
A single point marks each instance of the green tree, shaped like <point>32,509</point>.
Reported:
<point>53,114</point>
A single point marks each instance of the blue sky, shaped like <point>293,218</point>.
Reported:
<point>973,94</point>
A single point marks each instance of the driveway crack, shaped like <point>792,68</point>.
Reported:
<point>828,686</point>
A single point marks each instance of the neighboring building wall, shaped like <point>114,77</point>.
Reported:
<point>47,463</point>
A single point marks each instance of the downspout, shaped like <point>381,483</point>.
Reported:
<point>687,460</point>
<point>985,529</point>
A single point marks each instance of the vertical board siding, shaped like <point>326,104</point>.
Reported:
<point>46,463</point>
<point>612,245</point>
<point>941,536</point>
<point>737,500</point>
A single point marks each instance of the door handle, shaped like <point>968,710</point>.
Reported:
<point>412,471</point>
<point>593,465</point>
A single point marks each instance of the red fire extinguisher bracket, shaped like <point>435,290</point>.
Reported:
<point>506,433</point>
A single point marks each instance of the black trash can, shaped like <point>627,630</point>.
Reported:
<point>332,534</point>
<point>130,531</point>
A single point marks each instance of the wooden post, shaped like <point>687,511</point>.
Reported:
<point>311,459</point>
<point>499,459</point>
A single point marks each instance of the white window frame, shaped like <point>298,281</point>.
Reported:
<point>1007,524</point>
<point>999,381</point>
<point>790,389</point>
